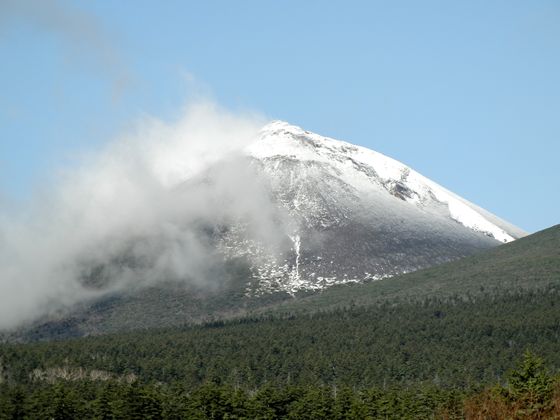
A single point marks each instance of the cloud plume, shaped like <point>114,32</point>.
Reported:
<point>140,211</point>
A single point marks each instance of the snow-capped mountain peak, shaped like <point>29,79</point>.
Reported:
<point>368,170</point>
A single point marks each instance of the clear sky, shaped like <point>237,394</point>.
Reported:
<point>465,92</point>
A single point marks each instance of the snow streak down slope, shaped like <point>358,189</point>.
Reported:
<point>357,215</point>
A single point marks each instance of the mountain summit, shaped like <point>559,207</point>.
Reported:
<point>357,215</point>
<point>368,171</point>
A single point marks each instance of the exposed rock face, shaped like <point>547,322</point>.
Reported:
<point>356,215</point>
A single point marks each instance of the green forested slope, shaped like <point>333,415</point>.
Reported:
<point>444,343</point>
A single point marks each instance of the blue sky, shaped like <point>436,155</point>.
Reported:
<point>467,93</point>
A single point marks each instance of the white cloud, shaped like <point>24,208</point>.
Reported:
<point>124,216</point>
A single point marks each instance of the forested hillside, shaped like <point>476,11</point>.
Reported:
<point>415,360</point>
<point>381,345</point>
<point>422,345</point>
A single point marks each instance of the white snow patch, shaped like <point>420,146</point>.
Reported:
<point>355,163</point>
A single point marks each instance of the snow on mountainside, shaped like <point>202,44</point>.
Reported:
<point>358,215</point>
<point>294,211</point>
<point>282,139</point>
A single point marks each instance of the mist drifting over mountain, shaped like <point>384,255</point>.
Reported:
<point>93,212</point>
<point>174,201</point>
